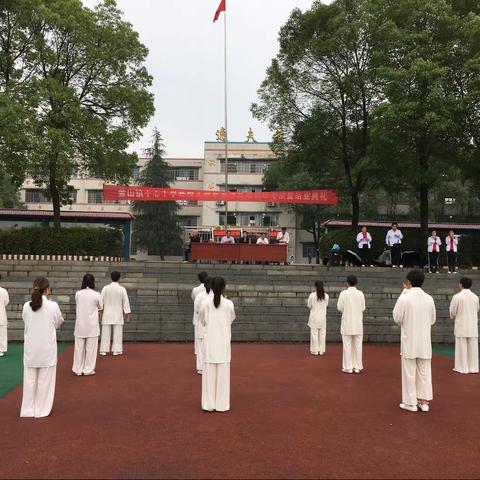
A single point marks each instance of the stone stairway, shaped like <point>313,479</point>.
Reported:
<point>270,301</point>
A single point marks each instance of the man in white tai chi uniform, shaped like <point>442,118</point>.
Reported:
<point>202,276</point>
<point>415,313</point>
<point>464,310</point>
<point>351,302</point>
<point>116,307</point>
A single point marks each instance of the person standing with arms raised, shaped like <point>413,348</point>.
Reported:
<point>415,314</point>
<point>464,309</point>
<point>394,241</point>
<point>217,317</point>
<point>351,302</point>
<point>42,318</point>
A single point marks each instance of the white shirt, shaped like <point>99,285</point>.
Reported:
<point>464,310</point>
<point>114,303</point>
<point>226,239</point>
<point>4,301</point>
<point>40,347</point>
<point>351,302</point>
<point>393,237</point>
<point>433,241</point>
<point>283,238</point>
<point>87,307</point>
<point>199,311</point>
<point>415,313</point>
<point>361,241</point>
<point>218,330</point>
<point>262,241</point>
<point>197,290</point>
<point>318,311</point>
<point>455,243</point>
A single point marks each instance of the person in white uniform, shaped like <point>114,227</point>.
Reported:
<point>464,309</point>
<point>197,318</point>
<point>196,291</point>
<point>351,302</point>
<point>364,242</point>
<point>218,315</point>
<point>263,240</point>
<point>394,241</point>
<point>42,318</point>
<point>283,238</point>
<point>317,321</point>
<point>451,245</point>
<point>414,313</point>
<point>433,246</point>
<point>4,301</point>
<point>87,328</point>
<point>115,308</point>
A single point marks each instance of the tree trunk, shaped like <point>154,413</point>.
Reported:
<point>424,207</point>
<point>315,242</point>
<point>55,202</point>
<point>355,209</point>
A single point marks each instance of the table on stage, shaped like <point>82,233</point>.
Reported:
<point>239,252</point>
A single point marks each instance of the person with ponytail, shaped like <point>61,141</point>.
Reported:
<point>4,301</point>
<point>198,311</point>
<point>42,317</point>
<point>87,328</point>
<point>217,316</point>
<point>317,303</point>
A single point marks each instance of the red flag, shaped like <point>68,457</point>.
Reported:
<point>221,8</point>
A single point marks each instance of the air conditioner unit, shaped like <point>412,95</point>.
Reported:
<point>220,203</point>
<point>271,204</point>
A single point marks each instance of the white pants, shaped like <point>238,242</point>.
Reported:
<point>85,355</point>
<point>117,344</point>
<point>352,352</point>
<point>416,380</point>
<point>38,391</point>
<point>466,354</point>
<point>216,387</point>
<point>3,338</point>
<point>199,353</point>
<point>317,340</point>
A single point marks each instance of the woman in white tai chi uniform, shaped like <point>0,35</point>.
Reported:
<point>195,292</point>
<point>218,315</point>
<point>198,310</point>
<point>317,303</point>
<point>42,317</point>
<point>87,328</point>
<point>4,300</point>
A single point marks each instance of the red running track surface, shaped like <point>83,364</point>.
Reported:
<point>293,415</point>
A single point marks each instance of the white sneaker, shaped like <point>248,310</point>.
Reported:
<point>356,370</point>
<point>449,272</point>
<point>347,371</point>
<point>2,354</point>
<point>424,407</point>
<point>410,408</point>
<point>200,372</point>
<point>455,272</point>
<point>88,374</point>
<point>314,353</point>
<point>429,271</point>
<point>117,353</point>
<point>322,353</point>
<point>394,266</point>
<point>401,266</point>
<point>102,353</point>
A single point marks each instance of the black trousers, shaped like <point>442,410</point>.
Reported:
<point>433,261</point>
<point>452,261</point>
<point>364,253</point>
<point>396,251</point>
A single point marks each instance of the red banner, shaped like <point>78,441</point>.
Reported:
<point>318,197</point>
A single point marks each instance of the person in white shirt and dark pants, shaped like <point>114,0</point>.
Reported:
<point>433,247</point>
<point>394,241</point>
<point>364,242</point>
<point>451,245</point>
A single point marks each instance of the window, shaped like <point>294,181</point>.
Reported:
<point>136,173</point>
<point>183,174</point>
<point>243,188</point>
<point>309,250</point>
<point>95,196</point>
<point>35,195</point>
<point>250,219</point>
<point>257,167</point>
<point>187,221</point>
<point>188,203</point>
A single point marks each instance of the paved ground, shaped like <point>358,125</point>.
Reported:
<point>293,415</point>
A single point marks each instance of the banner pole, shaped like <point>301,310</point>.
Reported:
<point>226,115</point>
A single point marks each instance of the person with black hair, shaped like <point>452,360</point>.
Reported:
<point>197,319</point>
<point>415,314</point>
<point>218,315</point>
<point>351,302</point>
<point>317,321</point>
<point>394,241</point>
<point>433,246</point>
<point>451,245</point>
<point>4,301</point>
<point>364,242</point>
<point>202,276</point>
<point>200,288</point>
<point>42,318</point>
<point>87,328</point>
<point>464,309</point>
<point>115,308</point>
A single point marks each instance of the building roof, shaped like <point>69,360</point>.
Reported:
<point>372,223</point>
<point>67,214</point>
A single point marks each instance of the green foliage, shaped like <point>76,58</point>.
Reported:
<point>156,224</point>
<point>9,194</point>
<point>67,241</point>
<point>74,84</point>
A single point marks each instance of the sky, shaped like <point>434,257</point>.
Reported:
<point>186,60</point>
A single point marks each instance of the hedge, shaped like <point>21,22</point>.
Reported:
<point>64,241</point>
<point>469,245</point>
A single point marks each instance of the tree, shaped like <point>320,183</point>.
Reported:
<point>325,63</point>
<point>84,91</point>
<point>156,225</point>
<point>9,194</point>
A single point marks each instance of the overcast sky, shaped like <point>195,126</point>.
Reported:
<point>186,61</point>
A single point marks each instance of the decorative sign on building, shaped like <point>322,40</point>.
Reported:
<point>317,197</point>
<point>250,136</point>
<point>221,135</point>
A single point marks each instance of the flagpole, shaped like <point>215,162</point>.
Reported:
<point>226,116</point>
